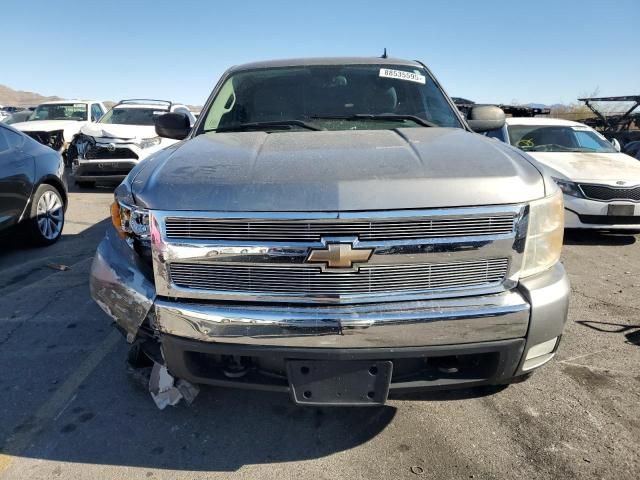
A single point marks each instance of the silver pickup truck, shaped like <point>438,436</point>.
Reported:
<point>335,229</point>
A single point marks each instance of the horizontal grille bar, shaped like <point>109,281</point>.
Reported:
<point>303,280</point>
<point>287,230</point>
<point>603,192</point>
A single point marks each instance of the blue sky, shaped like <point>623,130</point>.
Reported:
<point>490,51</point>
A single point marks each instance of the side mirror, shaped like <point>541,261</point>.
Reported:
<point>616,144</point>
<point>173,125</point>
<point>485,118</point>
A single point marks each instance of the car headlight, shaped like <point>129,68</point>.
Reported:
<point>131,222</point>
<point>544,236</point>
<point>568,188</point>
<point>149,142</point>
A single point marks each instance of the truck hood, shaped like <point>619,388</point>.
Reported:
<point>48,125</point>
<point>590,167</point>
<point>335,171</point>
<point>123,132</point>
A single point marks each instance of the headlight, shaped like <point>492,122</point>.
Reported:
<point>129,221</point>
<point>544,237</point>
<point>568,188</point>
<point>149,142</point>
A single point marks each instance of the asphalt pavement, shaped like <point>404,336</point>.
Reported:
<point>70,409</point>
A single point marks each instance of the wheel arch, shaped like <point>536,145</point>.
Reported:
<point>58,184</point>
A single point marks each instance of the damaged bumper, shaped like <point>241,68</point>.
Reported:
<point>121,284</point>
<point>491,339</point>
<point>94,170</point>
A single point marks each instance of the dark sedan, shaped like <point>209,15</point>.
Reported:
<point>33,193</point>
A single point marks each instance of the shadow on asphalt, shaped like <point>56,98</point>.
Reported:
<point>113,421</point>
<point>631,332</point>
<point>594,237</point>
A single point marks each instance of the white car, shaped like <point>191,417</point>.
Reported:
<point>54,124</point>
<point>601,185</point>
<point>126,135</point>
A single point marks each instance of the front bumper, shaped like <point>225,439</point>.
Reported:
<point>495,329</point>
<point>108,170</point>
<point>592,214</point>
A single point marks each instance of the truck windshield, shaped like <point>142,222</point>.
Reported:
<point>556,138</point>
<point>132,116</point>
<point>329,97</point>
<point>60,111</point>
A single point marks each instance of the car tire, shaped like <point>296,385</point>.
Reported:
<point>86,184</point>
<point>46,216</point>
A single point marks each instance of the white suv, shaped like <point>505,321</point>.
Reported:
<point>54,124</point>
<point>109,149</point>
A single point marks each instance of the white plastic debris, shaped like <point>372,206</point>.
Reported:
<point>166,390</point>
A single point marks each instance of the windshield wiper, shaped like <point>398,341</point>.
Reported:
<point>383,116</point>
<point>276,124</point>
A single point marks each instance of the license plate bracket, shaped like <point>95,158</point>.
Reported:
<point>339,383</point>
<point>621,210</point>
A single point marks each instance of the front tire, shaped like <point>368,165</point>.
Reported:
<point>46,216</point>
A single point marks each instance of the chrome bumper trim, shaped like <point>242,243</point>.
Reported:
<point>405,324</point>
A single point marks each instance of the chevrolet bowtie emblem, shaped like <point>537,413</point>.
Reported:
<point>339,255</point>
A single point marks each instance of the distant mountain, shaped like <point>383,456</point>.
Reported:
<point>16,98</point>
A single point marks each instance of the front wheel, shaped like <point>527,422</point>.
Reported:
<point>46,216</point>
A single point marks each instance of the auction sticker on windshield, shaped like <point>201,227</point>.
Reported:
<point>401,75</point>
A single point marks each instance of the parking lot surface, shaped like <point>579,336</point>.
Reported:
<point>69,409</point>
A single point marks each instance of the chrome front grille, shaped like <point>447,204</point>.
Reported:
<point>260,256</point>
<point>307,280</point>
<point>307,230</point>
<point>606,193</point>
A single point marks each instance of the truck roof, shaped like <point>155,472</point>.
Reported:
<point>298,62</point>
<point>58,102</point>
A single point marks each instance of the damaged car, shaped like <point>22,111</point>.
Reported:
<point>55,123</point>
<point>109,149</point>
<point>333,228</point>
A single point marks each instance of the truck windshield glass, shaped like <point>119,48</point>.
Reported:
<point>536,138</point>
<point>331,97</point>
<point>132,116</point>
<point>60,111</point>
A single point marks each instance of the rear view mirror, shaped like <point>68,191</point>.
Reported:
<point>173,125</point>
<point>485,118</point>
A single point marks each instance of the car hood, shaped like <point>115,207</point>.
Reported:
<point>123,132</point>
<point>590,167</point>
<point>335,171</point>
<point>47,125</point>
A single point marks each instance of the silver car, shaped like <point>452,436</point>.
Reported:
<point>333,228</point>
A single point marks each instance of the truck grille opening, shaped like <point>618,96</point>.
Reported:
<point>308,280</point>
<point>606,193</point>
<point>308,230</point>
